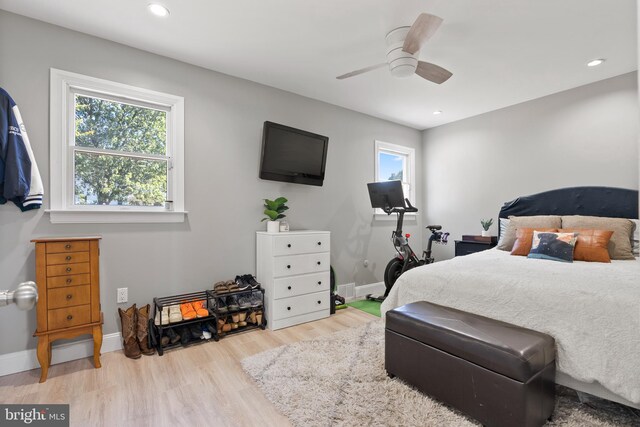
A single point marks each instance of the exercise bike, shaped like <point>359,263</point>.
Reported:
<point>389,197</point>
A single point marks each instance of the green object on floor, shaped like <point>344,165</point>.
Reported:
<point>371,307</point>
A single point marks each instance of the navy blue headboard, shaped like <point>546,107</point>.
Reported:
<point>589,201</point>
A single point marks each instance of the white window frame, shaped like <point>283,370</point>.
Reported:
<point>410,153</point>
<point>64,86</point>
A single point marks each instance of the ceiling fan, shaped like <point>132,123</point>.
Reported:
<point>403,49</point>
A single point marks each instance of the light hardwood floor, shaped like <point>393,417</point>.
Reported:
<point>202,385</point>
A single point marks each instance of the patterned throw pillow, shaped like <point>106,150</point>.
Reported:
<point>553,246</point>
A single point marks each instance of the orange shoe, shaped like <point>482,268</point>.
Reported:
<point>187,311</point>
<point>201,308</point>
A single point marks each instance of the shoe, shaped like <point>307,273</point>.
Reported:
<point>252,318</point>
<point>242,285</point>
<point>196,331</point>
<point>244,301</point>
<point>235,317</point>
<point>213,306</point>
<point>231,285</point>
<point>206,335</point>
<point>142,333</point>
<point>174,314</point>
<point>173,337</point>
<point>232,302</point>
<point>256,299</point>
<point>211,327</point>
<point>251,281</point>
<point>164,341</point>
<point>222,306</point>
<point>188,313</point>
<point>234,325</point>
<point>129,324</point>
<point>220,288</point>
<point>185,335</point>
<point>241,324</point>
<point>162,316</point>
<point>242,316</point>
<point>226,327</point>
<point>259,318</point>
<point>201,308</point>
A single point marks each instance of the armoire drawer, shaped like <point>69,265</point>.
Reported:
<point>71,246</point>
<point>300,264</point>
<point>68,296</point>
<point>302,304</point>
<point>300,244</point>
<point>73,280</point>
<point>67,269</point>
<point>67,258</point>
<point>299,285</point>
<point>69,316</point>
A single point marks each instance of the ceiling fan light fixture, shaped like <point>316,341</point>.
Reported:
<point>595,62</point>
<point>437,112</point>
<point>158,9</point>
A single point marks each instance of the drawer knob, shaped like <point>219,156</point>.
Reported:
<point>68,258</point>
<point>319,243</point>
<point>289,287</point>
<point>69,296</point>
<point>67,246</point>
<point>289,245</point>
<point>318,262</point>
<point>319,282</point>
<point>288,266</point>
<point>288,308</point>
<point>68,269</point>
<point>69,317</point>
<point>319,302</point>
<point>69,280</point>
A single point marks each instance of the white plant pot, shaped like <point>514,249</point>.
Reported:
<point>486,233</point>
<point>273,226</point>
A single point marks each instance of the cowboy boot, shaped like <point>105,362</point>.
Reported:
<point>128,320</point>
<point>143,330</point>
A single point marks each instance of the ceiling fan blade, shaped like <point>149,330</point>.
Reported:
<point>361,71</point>
<point>425,26</point>
<point>433,72</point>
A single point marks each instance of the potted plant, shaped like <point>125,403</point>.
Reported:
<point>486,223</point>
<point>273,211</point>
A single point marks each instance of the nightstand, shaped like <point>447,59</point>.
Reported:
<point>472,244</point>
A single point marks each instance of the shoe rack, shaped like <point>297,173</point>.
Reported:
<point>181,327</point>
<point>253,317</point>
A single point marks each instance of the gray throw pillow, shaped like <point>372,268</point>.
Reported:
<point>620,242</point>
<point>536,221</point>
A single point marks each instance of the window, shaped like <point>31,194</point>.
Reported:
<point>396,162</point>
<point>116,152</point>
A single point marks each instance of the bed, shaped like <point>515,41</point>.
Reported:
<point>591,309</point>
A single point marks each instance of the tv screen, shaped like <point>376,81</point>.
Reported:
<point>292,155</point>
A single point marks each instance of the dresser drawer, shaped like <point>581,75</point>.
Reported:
<point>68,296</point>
<point>65,270</point>
<point>73,280</point>
<point>56,247</point>
<point>300,285</point>
<point>68,258</point>
<point>69,316</point>
<point>300,244</point>
<point>302,304</point>
<point>300,264</point>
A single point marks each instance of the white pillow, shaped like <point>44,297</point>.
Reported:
<point>635,239</point>
<point>503,223</point>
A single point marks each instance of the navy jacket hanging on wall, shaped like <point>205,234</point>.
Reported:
<point>20,179</point>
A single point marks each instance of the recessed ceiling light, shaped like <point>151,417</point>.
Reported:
<point>158,9</point>
<point>437,112</point>
<point>595,62</point>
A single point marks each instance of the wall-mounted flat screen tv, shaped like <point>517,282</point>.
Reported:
<point>292,155</point>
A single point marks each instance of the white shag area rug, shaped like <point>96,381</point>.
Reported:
<point>339,380</point>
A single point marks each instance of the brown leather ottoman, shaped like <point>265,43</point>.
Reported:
<point>498,373</point>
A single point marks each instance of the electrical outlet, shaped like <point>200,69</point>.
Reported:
<point>123,295</point>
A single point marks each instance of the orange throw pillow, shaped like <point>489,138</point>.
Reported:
<point>591,245</point>
<point>524,239</point>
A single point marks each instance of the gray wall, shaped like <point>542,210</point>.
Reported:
<point>583,136</point>
<point>223,129</point>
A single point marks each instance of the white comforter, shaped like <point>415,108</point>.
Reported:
<point>591,309</point>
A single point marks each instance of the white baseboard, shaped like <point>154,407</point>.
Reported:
<point>347,291</point>
<point>372,288</point>
<point>26,360</point>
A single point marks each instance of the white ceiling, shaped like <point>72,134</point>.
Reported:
<point>502,52</point>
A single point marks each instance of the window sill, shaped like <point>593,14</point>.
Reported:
<point>70,216</point>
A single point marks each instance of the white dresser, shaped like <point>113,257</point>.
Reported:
<point>293,268</point>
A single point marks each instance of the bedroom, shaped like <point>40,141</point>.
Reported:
<point>521,115</point>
